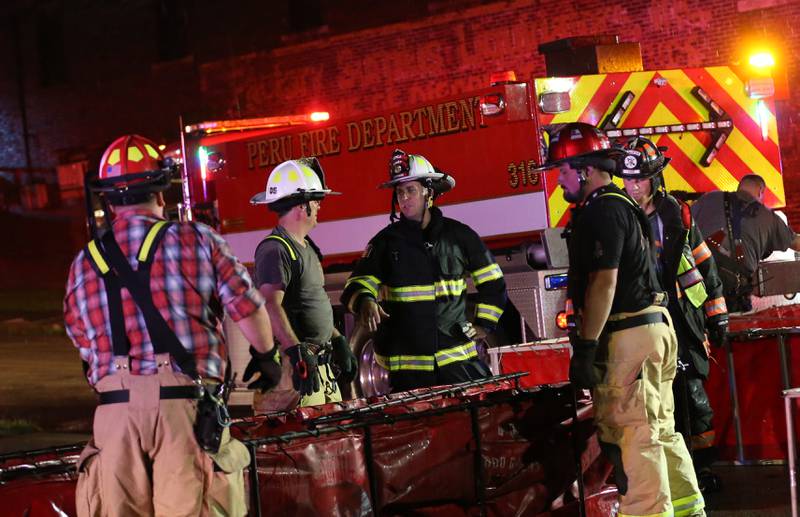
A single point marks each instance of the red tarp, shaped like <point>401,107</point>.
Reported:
<point>424,462</point>
<point>758,383</point>
<point>421,456</point>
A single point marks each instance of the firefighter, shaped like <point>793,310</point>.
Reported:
<point>409,286</point>
<point>152,349</point>
<point>756,230</point>
<point>288,272</point>
<point>696,304</point>
<point>623,344</point>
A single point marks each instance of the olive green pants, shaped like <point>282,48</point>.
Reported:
<point>634,409</point>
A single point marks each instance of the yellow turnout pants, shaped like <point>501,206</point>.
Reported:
<point>634,412</point>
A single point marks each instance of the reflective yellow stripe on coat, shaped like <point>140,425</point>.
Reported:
<point>488,312</point>
<point>486,274</point>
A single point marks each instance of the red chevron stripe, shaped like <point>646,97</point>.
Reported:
<point>667,96</point>
<point>603,99</point>
<point>641,111</point>
<point>732,162</point>
<point>688,169</point>
<point>544,118</point>
<point>742,120</point>
<point>678,106</point>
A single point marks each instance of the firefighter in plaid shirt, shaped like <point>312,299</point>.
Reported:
<point>143,458</point>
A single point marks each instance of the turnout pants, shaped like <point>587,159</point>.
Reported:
<point>634,412</point>
<point>143,458</point>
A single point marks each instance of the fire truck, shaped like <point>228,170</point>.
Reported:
<point>718,123</point>
<point>492,446</point>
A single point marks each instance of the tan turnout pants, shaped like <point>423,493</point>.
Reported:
<point>634,413</point>
<point>143,458</point>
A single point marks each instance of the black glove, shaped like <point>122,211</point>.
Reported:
<point>305,371</point>
<point>268,364</point>
<point>717,330</point>
<point>344,359</point>
<point>581,366</point>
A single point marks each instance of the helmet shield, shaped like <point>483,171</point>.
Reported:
<point>641,159</point>
<point>405,167</point>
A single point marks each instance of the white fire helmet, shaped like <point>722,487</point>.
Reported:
<point>292,183</point>
<point>405,167</point>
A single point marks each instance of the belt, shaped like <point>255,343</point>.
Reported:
<point>636,321</point>
<point>165,392</point>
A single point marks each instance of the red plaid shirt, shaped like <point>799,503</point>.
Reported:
<point>193,277</point>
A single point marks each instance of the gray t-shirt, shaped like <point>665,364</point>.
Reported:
<point>312,319</point>
<point>762,230</point>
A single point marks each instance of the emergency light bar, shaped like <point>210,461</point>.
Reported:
<point>220,126</point>
<point>710,125</point>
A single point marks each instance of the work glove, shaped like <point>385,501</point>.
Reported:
<point>344,359</point>
<point>470,331</point>
<point>305,370</point>
<point>717,327</point>
<point>268,364</point>
<point>581,366</point>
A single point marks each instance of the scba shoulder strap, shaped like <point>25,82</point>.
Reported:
<point>644,225</point>
<point>292,292</point>
<point>111,264</point>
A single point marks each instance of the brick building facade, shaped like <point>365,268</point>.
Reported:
<point>87,71</point>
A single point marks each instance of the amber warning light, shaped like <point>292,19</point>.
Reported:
<point>762,60</point>
<point>561,320</point>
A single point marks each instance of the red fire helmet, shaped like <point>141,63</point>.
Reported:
<point>131,167</point>
<point>576,139</point>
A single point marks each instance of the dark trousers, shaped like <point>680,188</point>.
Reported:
<point>694,406</point>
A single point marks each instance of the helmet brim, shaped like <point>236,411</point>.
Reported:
<point>261,197</point>
<point>417,177</point>
<point>577,159</point>
<point>141,182</point>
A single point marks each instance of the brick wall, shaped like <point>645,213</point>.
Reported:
<point>114,86</point>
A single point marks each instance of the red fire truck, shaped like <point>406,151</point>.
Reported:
<point>718,123</point>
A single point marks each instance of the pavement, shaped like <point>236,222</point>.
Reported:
<point>39,440</point>
<point>751,491</point>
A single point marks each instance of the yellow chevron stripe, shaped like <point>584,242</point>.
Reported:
<point>580,97</point>
<point>636,83</point>
<point>692,147</point>
<point>682,85</point>
<point>757,162</point>
<point>556,205</point>
<point>731,83</point>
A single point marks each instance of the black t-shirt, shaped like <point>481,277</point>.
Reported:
<point>606,234</point>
